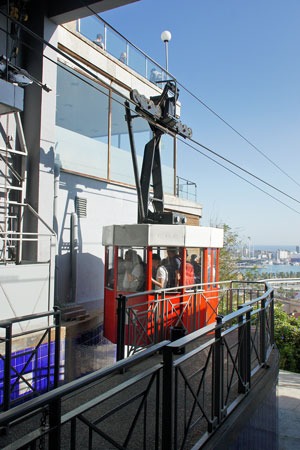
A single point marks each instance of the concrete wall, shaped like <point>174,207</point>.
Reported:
<point>106,204</point>
<point>47,135</point>
<point>24,290</point>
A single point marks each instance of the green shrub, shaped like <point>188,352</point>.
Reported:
<point>287,338</point>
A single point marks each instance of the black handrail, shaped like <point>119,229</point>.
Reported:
<point>213,341</point>
<point>198,289</point>
<point>57,394</point>
<point>9,369</point>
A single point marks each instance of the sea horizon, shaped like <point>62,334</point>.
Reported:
<point>273,247</point>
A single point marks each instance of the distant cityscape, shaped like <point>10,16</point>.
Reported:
<point>249,257</point>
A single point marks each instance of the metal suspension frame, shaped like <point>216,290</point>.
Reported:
<point>162,110</point>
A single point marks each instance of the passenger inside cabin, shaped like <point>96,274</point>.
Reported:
<point>155,75</point>
<point>189,274</point>
<point>159,273</point>
<point>121,273</point>
<point>134,276</point>
<point>197,268</point>
<point>123,57</point>
<point>172,264</point>
<point>99,40</point>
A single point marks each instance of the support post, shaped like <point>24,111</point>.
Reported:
<point>7,367</point>
<point>55,424</point>
<point>218,374</point>
<point>262,315</point>
<point>57,323</point>
<point>230,304</point>
<point>168,399</point>
<point>121,327</point>
<point>248,349</point>
<point>156,319</point>
<point>244,352</point>
<point>163,308</point>
<point>272,336</point>
<point>141,211</point>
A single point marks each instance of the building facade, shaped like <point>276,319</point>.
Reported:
<point>78,170</point>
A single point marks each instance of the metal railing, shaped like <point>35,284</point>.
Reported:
<point>186,189</point>
<point>30,359</point>
<point>13,208</point>
<point>213,377</point>
<point>15,239</point>
<point>178,402</point>
<point>118,46</point>
<point>144,319</point>
<point>65,430</point>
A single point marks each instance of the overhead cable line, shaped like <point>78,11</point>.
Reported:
<point>236,174</point>
<point>92,74</point>
<point>238,133</point>
<point>197,98</point>
<point>243,170</point>
<point>194,141</point>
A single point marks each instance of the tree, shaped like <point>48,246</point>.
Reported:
<point>227,257</point>
<point>252,274</point>
<point>287,338</point>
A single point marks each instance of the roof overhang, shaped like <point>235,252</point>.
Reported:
<point>64,11</point>
<point>147,235</point>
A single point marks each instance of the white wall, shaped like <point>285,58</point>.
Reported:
<point>24,290</point>
<point>107,204</point>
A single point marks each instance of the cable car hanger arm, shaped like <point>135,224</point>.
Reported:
<point>161,109</point>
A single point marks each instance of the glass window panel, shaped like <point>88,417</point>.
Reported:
<point>209,265</point>
<point>116,46</point>
<point>131,269</point>
<point>81,124</point>
<point>155,74</point>
<point>110,268</point>
<point>214,267</point>
<point>167,161</point>
<point>93,29</point>
<point>120,154</point>
<point>171,260</point>
<point>137,61</point>
<point>194,257</point>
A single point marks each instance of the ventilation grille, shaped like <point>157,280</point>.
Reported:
<point>81,206</point>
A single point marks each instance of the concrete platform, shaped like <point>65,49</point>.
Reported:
<point>288,394</point>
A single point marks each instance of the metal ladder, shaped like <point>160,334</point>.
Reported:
<point>13,180</point>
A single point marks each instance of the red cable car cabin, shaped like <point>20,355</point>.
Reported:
<point>128,264</point>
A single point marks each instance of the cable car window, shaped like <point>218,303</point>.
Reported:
<point>214,267</point>
<point>194,258</point>
<point>110,268</point>
<point>211,268</point>
<point>160,273</point>
<point>131,269</point>
<point>209,264</point>
<point>170,258</point>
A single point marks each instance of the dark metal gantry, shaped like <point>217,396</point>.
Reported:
<point>160,112</point>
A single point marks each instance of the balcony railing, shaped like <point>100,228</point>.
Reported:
<point>107,38</point>
<point>186,189</point>
<point>30,359</point>
<point>143,322</point>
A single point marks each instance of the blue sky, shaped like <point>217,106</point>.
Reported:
<point>242,59</point>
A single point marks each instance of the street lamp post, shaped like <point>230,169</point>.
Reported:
<point>166,37</point>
